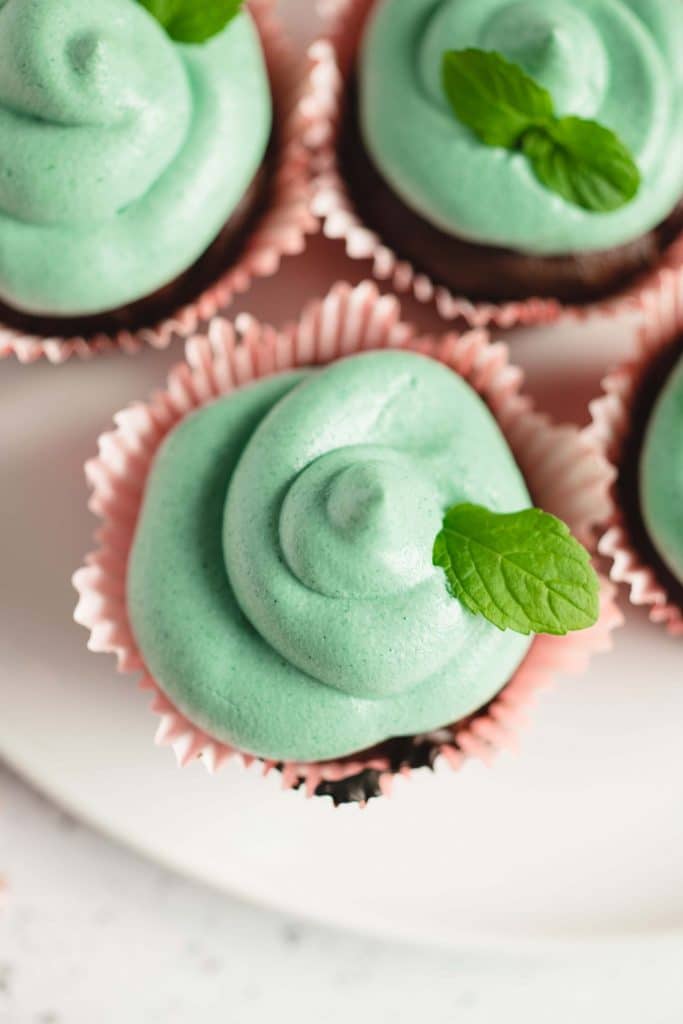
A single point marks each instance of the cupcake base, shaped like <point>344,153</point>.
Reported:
<point>628,481</point>
<point>273,221</point>
<point>399,756</point>
<point>145,313</point>
<point>489,273</point>
<point>402,755</point>
<point>565,473</point>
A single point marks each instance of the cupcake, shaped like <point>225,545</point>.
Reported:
<point>144,176</point>
<point>639,424</point>
<point>341,571</point>
<point>507,158</point>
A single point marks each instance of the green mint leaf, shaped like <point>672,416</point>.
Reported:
<point>583,162</point>
<point>193,21</point>
<point>522,571</point>
<point>580,160</point>
<point>493,97</point>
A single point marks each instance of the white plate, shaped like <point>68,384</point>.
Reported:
<point>579,835</point>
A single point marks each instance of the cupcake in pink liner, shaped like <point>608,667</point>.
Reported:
<point>154,171</point>
<point>418,170</point>
<point>638,424</point>
<point>333,626</point>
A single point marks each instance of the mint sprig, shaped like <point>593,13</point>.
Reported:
<point>581,160</point>
<point>522,571</point>
<point>193,21</point>
<point>584,162</point>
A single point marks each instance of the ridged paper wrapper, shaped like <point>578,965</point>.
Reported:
<point>614,416</point>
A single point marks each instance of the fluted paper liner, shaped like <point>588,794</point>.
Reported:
<point>331,60</point>
<point>612,422</point>
<point>279,231</point>
<point>565,474</point>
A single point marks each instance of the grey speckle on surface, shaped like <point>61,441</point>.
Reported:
<point>5,979</point>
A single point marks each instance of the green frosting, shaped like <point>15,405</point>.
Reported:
<point>615,61</point>
<point>281,586</point>
<point>661,474</point>
<point>123,153</point>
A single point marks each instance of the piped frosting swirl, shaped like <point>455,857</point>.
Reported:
<point>281,586</point>
<point>123,153</point>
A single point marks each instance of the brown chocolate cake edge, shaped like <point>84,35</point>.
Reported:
<point>488,273</point>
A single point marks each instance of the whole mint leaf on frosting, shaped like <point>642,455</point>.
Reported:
<point>493,97</point>
<point>193,21</point>
<point>522,571</point>
<point>581,160</point>
<point>584,162</point>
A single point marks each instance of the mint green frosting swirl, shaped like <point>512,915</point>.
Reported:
<point>661,474</point>
<point>281,586</point>
<point>123,153</point>
<point>615,61</point>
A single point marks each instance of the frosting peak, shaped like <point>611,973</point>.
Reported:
<point>358,521</point>
<point>104,84</point>
<point>558,46</point>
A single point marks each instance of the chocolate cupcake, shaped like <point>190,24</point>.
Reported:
<point>507,158</point>
<point>639,424</point>
<point>302,563</point>
<point>141,180</point>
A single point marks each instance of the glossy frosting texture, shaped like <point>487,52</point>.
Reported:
<point>281,586</point>
<point>616,61</point>
<point>123,153</point>
<point>661,474</point>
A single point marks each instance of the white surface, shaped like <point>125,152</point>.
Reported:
<point>579,836</point>
<point>91,935</point>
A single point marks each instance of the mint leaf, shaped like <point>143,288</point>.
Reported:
<point>493,97</point>
<point>580,160</point>
<point>583,162</point>
<point>522,571</point>
<point>193,21</point>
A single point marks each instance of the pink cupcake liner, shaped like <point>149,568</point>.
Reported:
<point>331,61</point>
<point>611,424</point>
<point>281,230</point>
<point>566,473</point>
